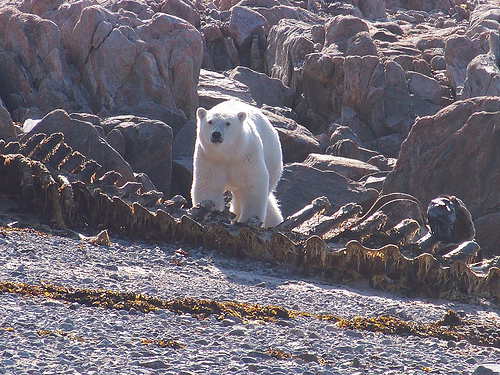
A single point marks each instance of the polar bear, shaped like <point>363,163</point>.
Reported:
<point>237,149</point>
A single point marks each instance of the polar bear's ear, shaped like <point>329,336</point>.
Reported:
<point>201,113</point>
<point>242,116</point>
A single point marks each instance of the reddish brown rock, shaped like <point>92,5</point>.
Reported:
<point>372,9</point>
<point>244,23</point>
<point>342,28</point>
<point>135,67</point>
<point>483,77</point>
<point>289,43</point>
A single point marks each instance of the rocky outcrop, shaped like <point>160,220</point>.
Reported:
<point>86,57</point>
<point>455,152</point>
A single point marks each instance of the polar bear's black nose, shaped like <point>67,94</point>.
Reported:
<point>216,137</point>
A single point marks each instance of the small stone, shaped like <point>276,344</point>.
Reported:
<point>228,323</point>
<point>298,333</point>
<point>248,360</point>
<point>154,364</point>
<point>237,332</point>
<point>355,362</point>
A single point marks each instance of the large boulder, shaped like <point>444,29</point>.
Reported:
<point>80,56</point>
<point>83,136</point>
<point>297,142</point>
<point>339,30</point>
<point>372,8</point>
<point>33,68</point>
<point>146,66</point>
<point>455,152</point>
<point>243,24</point>
<point>289,43</point>
<point>483,77</point>
<point>145,144</point>
<point>214,88</point>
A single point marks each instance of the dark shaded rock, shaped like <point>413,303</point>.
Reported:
<point>350,149</point>
<point>7,129</point>
<point>424,87</point>
<point>487,369</point>
<point>385,36</point>
<point>342,28</point>
<point>300,184</point>
<point>288,44</point>
<point>146,145</point>
<point>184,9</point>
<point>378,93</point>
<point>323,83</point>
<point>487,232</point>
<point>458,52</point>
<point>83,137</point>
<point>182,161</point>
<point>338,8</point>
<point>361,44</point>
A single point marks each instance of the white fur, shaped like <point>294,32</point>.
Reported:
<point>247,161</point>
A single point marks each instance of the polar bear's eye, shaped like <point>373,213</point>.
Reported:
<point>210,122</point>
<point>228,123</point>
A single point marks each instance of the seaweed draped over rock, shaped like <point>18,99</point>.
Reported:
<point>46,176</point>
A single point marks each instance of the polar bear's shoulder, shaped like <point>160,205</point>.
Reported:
<point>233,107</point>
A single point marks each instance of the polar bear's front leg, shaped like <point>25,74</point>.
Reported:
<point>208,183</point>
<point>253,200</point>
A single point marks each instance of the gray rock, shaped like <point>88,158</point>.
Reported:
<point>350,168</point>
<point>7,129</point>
<point>300,184</point>
<point>483,77</point>
<point>264,90</point>
<point>82,136</point>
<point>487,369</point>
<point>146,145</point>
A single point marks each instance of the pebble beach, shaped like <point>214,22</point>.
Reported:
<point>41,335</point>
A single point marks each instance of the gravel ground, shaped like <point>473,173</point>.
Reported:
<point>44,336</point>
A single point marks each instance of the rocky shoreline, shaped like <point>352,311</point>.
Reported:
<point>40,335</point>
<point>369,97</point>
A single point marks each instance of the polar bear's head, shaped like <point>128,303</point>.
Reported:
<point>220,130</point>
